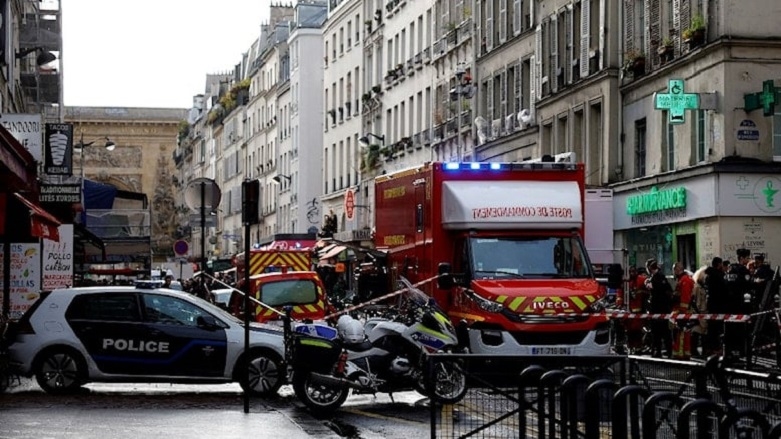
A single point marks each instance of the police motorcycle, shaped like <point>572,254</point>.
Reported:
<point>383,355</point>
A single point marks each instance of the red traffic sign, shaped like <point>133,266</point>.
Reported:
<point>181,247</point>
<point>349,203</point>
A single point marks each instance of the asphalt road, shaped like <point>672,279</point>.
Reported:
<point>191,411</point>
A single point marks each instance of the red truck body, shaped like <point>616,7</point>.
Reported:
<point>512,235</point>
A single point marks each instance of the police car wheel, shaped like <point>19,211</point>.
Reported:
<point>60,371</point>
<point>265,373</point>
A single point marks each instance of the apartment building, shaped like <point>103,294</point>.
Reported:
<point>700,180</point>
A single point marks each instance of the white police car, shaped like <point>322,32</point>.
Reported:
<point>70,337</point>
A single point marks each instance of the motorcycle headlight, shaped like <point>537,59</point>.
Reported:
<point>485,304</point>
<point>598,306</point>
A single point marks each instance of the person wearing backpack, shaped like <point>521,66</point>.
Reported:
<point>660,303</point>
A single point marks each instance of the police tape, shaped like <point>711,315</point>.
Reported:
<point>624,315</point>
<point>252,299</point>
<point>378,299</point>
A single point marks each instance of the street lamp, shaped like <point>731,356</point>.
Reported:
<point>109,145</point>
<point>364,140</point>
<point>278,178</point>
<point>463,88</point>
<point>44,56</point>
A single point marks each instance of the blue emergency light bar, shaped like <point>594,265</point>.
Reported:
<point>496,166</point>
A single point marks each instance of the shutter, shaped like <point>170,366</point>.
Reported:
<point>518,87</point>
<point>489,25</point>
<point>676,22</point>
<point>585,37</point>
<point>654,30</point>
<point>568,55</point>
<point>445,9</point>
<point>503,93</point>
<point>553,75</point>
<point>601,35</point>
<point>459,17</point>
<point>533,87</point>
<point>537,65</point>
<point>516,17</point>
<point>684,15</point>
<point>502,21</point>
<point>629,24</point>
<point>490,100</point>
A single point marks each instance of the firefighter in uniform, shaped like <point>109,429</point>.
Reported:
<point>682,297</point>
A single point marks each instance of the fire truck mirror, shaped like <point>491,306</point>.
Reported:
<point>445,279</point>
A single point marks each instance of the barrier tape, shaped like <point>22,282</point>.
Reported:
<point>378,299</point>
<point>281,314</point>
<point>624,315</point>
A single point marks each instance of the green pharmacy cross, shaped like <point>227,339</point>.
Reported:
<point>766,99</point>
<point>676,102</point>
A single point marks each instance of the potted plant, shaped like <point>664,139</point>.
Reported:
<point>695,33</point>
<point>634,62</point>
<point>666,50</point>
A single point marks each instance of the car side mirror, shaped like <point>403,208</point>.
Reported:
<point>208,323</point>
<point>445,279</point>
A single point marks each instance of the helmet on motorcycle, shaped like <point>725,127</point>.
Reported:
<point>350,330</point>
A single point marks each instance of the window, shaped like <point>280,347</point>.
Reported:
<point>289,292</point>
<point>112,307</point>
<point>529,257</point>
<point>171,311</point>
<point>701,137</point>
<point>640,152</point>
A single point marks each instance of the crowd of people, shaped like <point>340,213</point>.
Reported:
<point>719,288</point>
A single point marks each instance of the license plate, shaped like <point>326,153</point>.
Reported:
<point>551,350</point>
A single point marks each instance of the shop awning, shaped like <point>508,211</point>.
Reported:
<point>84,235</point>
<point>42,223</point>
<point>331,251</point>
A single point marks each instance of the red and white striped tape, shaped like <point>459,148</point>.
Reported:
<point>669,316</point>
<point>378,299</point>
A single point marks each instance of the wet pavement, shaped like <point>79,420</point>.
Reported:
<point>153,411</point>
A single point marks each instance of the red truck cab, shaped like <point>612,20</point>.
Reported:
<point>511,235</point>
<point>303,290</point>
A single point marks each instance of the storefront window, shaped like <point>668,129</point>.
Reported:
<point>651,242</point>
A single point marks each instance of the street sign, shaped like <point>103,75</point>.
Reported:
<point>349,204</point>
<point>181,247</point>
<point>195,220</point>
<point>748,130</point>
<point>676,101</point>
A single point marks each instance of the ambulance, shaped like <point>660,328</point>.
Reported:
<point>279,277</point>
<point>506,240</point>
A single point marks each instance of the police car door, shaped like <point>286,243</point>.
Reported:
<point>110,329</point>
<point>187,346</point>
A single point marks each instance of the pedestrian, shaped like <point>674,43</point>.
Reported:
<point>718,303</point>
<point>763,275</point>
<point>740,292</point>
<point>638,296</point>
<point>167,281</point>
<point>700,306</point>
<point>661,303</point>
<point>682,298</point>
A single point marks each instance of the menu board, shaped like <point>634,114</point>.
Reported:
<point>25,284</point>
<point>58,260</point>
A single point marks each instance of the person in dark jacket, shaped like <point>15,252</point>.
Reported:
<point>763,275</point>
<point>661,303</point>
<point>740,293</point>
<point>718,303</point>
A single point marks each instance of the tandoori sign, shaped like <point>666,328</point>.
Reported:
<point>656,200</point>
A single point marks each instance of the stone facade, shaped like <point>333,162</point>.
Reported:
<point>141,162</point>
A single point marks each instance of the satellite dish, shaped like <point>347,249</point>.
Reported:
<point>202,193</point>
<point>524,118</point>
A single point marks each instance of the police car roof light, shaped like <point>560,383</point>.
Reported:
<point>452,165</point>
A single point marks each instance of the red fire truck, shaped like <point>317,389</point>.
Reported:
<point>279,277</point>
<point>511,236</point>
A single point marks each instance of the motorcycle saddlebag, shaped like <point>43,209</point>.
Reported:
<point>315,353</point>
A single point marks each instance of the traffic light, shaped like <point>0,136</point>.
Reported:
<point>250,201</point>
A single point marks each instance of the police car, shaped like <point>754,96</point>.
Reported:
<point>74,336</point>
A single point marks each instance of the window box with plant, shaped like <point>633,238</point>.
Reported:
<point>634,63</point>
<point>666,50</point>
<point>694,35</point>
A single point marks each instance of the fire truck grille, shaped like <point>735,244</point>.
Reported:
<point>542,319</point>
<point>549,338</point>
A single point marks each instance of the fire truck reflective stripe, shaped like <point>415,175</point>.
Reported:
<point>298,310</point>
<point>501,299</point>
<point>311,308</point>
<point>515,303</point>
<point>578,302</point>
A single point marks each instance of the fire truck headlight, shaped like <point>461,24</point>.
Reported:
<point>485,304</point>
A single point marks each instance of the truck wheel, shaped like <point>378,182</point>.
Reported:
<point>321,399</point>
<point>449,382</point>
<point>60,371</point>
<point>265,373</point>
